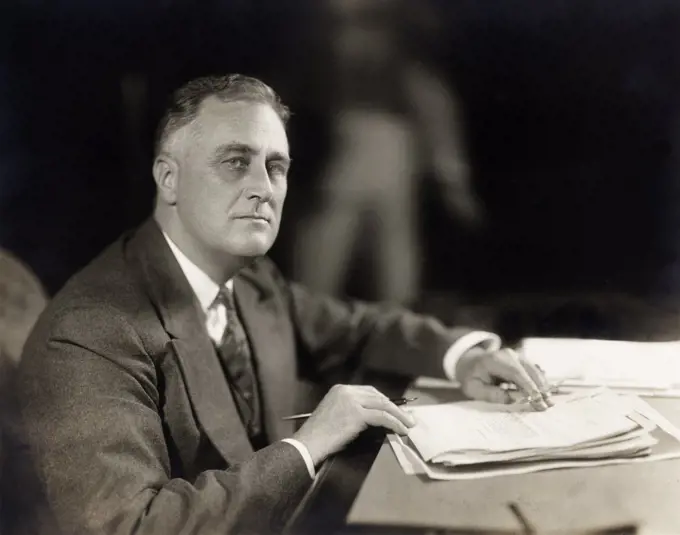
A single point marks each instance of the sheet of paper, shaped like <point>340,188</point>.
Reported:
<point>443,472</point>
<point>666,446</point>
<point>606,362</point>
<point>406,457</point>
<point>630,443</point>
<point>484,427</point>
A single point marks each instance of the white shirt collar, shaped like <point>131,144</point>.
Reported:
<point>203,286</point>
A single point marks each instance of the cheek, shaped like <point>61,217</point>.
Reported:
<point>280,191</point>
<point>205,208</point>
<point>207,192</point>
<point>189,188</point>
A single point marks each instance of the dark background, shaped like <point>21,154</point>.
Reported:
<point>572,110</point>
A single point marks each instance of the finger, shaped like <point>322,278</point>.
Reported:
<point>478,389</point>
<point>536,375</point>
<point>506,364</point>
<point>374,391</point>
<point>367,391</point>
<point>379,418</point>
<point>368,396</point>
<point>539,378</point>
<point>385,405</point>
<point>360,393</point>
<point>517,396</point>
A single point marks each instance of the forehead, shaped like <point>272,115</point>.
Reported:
<point>250,123</point>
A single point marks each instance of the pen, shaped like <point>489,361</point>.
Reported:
<point>527,528</point>
<point>552,389</point>
<point>396,401</point>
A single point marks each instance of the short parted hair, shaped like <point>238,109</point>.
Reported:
<point>186,101</point>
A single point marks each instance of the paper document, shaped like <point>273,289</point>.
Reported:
<point>623,445</point>
<point>486,427</point>
<point>473,439</point>
<point>654,365</point>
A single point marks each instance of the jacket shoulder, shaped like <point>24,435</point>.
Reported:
<point>104,298</point>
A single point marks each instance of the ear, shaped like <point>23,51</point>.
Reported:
<point>166,175</point>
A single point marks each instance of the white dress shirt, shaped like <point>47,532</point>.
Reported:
<point>206,291</point>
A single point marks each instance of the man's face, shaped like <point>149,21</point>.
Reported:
<point>232,178</point>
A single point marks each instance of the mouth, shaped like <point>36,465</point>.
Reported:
<point>253,217</point>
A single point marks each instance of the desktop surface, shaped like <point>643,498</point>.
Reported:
<point>364,490</point>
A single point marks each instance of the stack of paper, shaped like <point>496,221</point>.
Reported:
<point>613,363</point>
<point>475,439</point>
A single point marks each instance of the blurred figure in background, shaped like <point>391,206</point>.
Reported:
<point>392,115</point>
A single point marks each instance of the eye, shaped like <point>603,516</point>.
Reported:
<point>237,163</point>
<point>277,168</point>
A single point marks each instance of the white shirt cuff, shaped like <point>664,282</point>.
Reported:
<point>490,341</point>
<point>305,455</point>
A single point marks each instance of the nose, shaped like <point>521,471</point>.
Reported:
<point>259,185</point>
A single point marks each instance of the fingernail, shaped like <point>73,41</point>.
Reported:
<point>411,420</point>
<point>541,405</point>
<point>547,397</point>
<point>404,431</point>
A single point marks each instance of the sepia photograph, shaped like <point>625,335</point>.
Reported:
<point>343,267</point>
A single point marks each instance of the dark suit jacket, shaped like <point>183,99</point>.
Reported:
<point>124,420</point>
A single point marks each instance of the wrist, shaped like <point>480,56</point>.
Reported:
<point>314,446</point>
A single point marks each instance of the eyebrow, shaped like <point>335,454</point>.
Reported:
<point>222,150</point>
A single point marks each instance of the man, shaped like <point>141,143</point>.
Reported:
<point>151,392</point>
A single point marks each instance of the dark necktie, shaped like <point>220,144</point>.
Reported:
<point>234,352</point>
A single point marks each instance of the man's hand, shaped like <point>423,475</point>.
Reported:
<point>481,375</point>
<point>343,413</point>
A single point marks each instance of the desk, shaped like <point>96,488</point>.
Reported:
<point>340,481</point>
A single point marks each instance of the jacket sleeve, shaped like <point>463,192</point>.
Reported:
<point>335,335</point>
<point>90,455</point>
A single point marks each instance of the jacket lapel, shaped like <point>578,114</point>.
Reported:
<point>182,317</point>
<point>271,343</point>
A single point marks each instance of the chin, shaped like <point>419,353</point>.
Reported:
<point>251,247</point>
